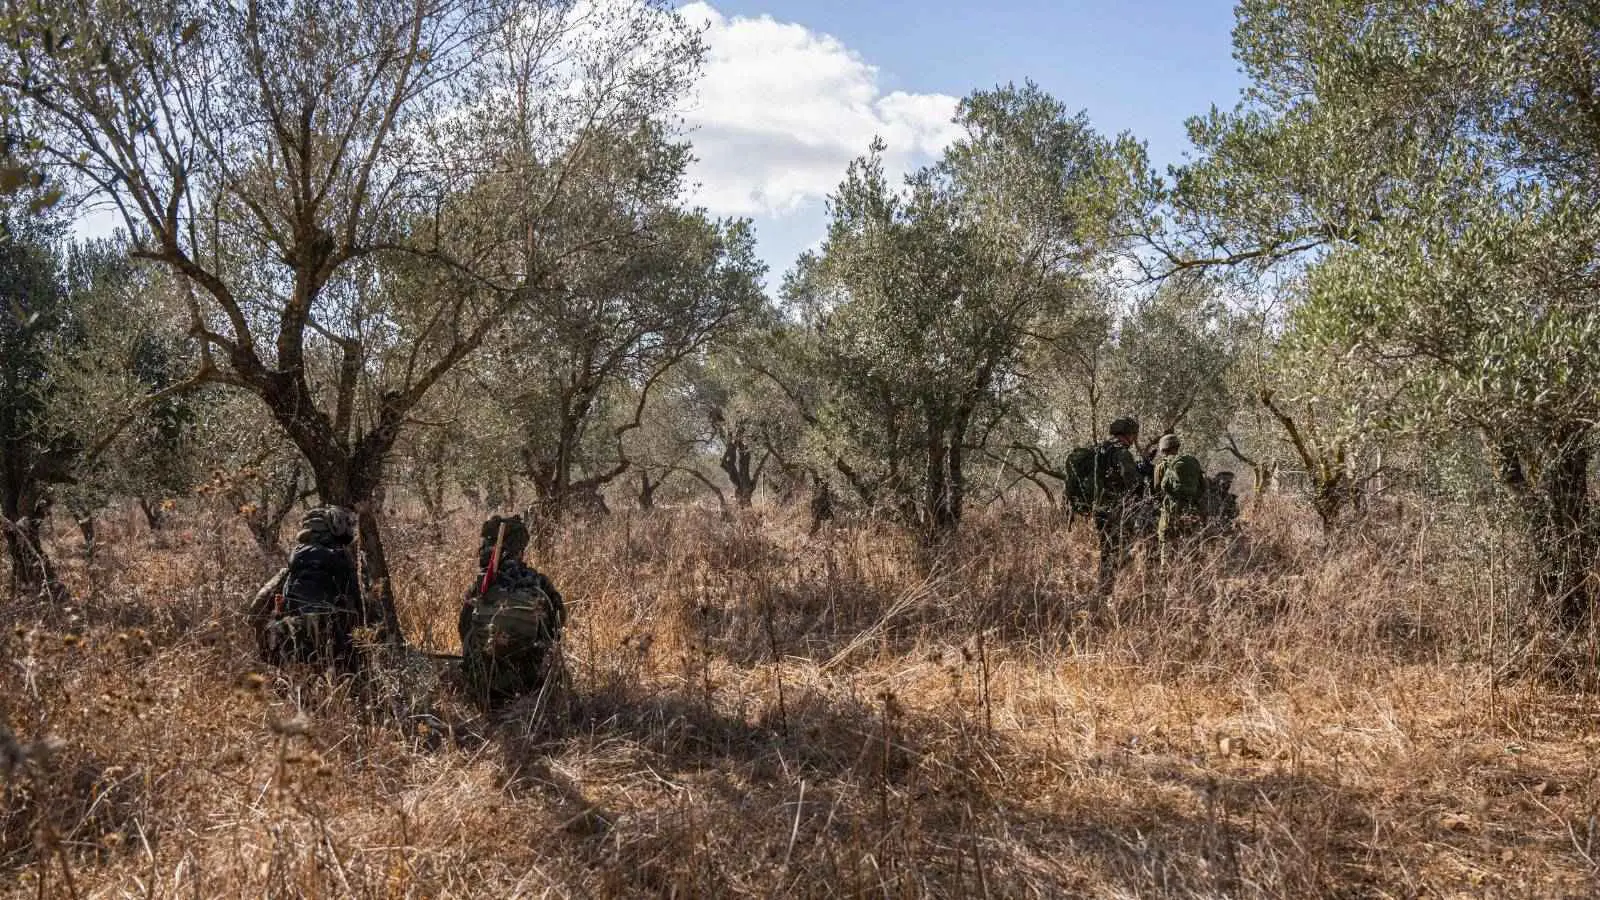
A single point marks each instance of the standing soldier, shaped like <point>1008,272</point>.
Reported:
<point>1222,505</point>
<point>1180,484</point>
<point>1116,488</point>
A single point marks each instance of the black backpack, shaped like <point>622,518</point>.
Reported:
<point>310,610</point>
<point>1093,473</point>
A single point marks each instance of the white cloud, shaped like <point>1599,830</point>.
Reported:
<point>781,110</point>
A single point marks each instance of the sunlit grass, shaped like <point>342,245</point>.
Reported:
<point>746,711</point>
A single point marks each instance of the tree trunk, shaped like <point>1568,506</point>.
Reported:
<point>821,504</point>
<point>943,473</point>
<point>153,515</point>
<point>375,574</point>
<point>1557,514</point>
<point>86,528</point>
<point>83,517</point>
<point>935,499</point>
<point>1564,534</point>
<point>1331,488</point>
<point>552,476</point>
<point>31,568</point>
<point>958,472</point>
<point>737,463</point>
<point>431,478</point>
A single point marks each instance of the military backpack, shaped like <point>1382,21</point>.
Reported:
<point>507,633</point>
<point>1094,473</point>
<point>1183,480</point>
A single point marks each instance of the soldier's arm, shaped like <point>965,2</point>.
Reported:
<point>556,602</point>
<point>261,606</point>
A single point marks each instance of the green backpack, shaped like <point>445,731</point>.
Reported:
<point>507,635</point>
<point>1184,480</point>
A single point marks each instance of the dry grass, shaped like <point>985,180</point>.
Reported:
<point>749,712</point>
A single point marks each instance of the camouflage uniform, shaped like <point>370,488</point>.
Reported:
<point>315,611</point>
<point>508,623</point>
<point>1116,493</point>
<point>1222,505</point>
<point>1183,512</point>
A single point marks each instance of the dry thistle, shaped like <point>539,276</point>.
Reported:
<point>251,683</point>
<point>295,726</point>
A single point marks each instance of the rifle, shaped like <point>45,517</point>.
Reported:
<point>494,561</point>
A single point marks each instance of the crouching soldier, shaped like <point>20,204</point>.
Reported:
<point>510,619</point>
<point>310,610</point>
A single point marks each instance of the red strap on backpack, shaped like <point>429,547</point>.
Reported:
<point>494,561</point>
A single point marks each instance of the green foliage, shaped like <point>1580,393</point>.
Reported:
<point>1429,169</point>
<point>120,382</point>
<point>35,327</point>
<point>1172,365</point>
<point>579,362</point>
<point>926,305</point>
<point>1427,178</point>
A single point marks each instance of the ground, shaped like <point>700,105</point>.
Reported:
<point>748,711</point>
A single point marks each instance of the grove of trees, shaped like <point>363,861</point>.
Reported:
<point>430,250</point>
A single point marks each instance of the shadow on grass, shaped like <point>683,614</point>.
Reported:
<point>665,795</point>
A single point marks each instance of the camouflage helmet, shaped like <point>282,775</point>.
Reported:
<point>515,543</point>
<point>1124,427</point>
<point>331,525</point>
<point>1224,477</point>
<point>1169,443</point>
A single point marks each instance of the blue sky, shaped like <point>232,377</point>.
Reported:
<point>794,89</point>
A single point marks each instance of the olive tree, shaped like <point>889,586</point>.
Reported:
<point>926,301</point>
<point>328,179</point>
<point>33,328</point>
<point>1429,169</point>
<point>580,363</point>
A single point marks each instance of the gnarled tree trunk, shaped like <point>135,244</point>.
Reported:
<point>738,462</point>
<point>1558,516</point>
<point>31,568</point>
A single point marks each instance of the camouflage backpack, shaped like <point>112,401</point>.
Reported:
<point>507,634</point>
<point>1183,482</point>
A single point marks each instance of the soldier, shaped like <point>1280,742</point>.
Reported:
<point>1222,505</point>
<point>510,619</point>
<point>1116,489</point>
<point>1180,484</point>
<point>311,608</point>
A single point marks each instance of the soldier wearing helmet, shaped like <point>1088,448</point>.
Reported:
<point>511,618</point>
<point>1117,488</point>
<point>312,615</point>
<point>1180,483</point>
